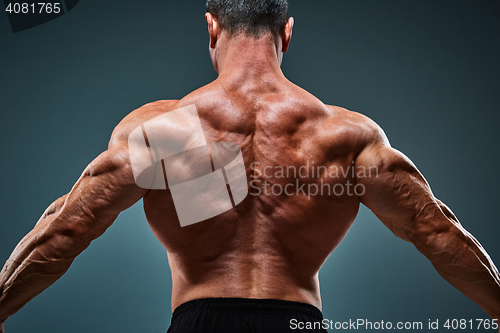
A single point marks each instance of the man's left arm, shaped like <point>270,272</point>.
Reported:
<point>67,227</point>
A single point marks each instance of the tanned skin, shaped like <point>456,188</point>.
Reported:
<point>269,246</point>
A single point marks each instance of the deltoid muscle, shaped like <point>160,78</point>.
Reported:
<point>172,149</point>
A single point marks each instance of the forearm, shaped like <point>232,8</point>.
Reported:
<point>461,260</point>
<point>33,266</point>
<point>105,188</point>
<point>474,274</point>
<point>402,199</point>
<point>26,274</point>
<point>65,229</point>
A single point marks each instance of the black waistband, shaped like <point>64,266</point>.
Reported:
<point>249,305</point>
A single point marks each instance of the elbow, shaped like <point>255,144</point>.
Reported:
<point>444,246</point>
<point>63,241</point>
<point>439,243</point>
<point>435,236</point>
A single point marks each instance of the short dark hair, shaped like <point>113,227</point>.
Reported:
<point>252,17</point>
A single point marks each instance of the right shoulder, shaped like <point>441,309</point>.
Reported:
<point>362,129</point>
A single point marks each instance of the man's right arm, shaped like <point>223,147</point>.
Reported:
<point>401,198</point>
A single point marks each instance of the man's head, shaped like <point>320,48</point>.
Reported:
<point>252,17</point>
<point>255,19</point>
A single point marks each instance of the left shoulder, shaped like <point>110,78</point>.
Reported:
<point>138,117</point>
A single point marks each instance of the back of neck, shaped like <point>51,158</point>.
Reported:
<point>244,58</point>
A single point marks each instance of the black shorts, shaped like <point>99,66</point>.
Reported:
<point>241,315</point>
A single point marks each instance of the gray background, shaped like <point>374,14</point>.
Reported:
<point>427,71</point>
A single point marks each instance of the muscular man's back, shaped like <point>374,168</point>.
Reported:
<point>298,155</point>
<point>308,167</point>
